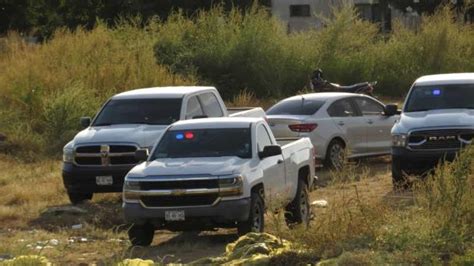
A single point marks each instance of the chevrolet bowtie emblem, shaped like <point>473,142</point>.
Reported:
<point>178,192</point>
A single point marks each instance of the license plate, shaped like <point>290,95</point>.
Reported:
<point>174,215</point>
<point>104,180</point>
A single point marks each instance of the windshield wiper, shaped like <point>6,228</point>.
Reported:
<point>102,124</point>
<point>420,110</point>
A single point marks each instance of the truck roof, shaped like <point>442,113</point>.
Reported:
<point>220,122</point>
<point>440,79</point>
<point>162,92</point>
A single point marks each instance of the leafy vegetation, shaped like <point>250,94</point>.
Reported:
<point>41,18</point>
<point>254,51</point>
<point>45,88</point>
<point>433,224</point>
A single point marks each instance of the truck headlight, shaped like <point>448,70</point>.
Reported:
<point>68,155</point>
<point>399,140</point>
<point>129,191</point>
<point>231,186</point>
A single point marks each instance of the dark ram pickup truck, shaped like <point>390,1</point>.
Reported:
<point>436,122</point>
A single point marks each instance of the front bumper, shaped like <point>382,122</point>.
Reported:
<point>422,160</point>
<point>83,179</point>
<point>224,212</point>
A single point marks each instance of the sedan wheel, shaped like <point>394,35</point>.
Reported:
<point>335,156</point>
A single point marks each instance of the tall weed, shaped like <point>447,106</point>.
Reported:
<point>250,49</point>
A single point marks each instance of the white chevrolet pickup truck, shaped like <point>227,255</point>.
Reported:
<point>99,157</point>
<point>217,173</point>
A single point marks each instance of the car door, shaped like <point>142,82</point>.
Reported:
<point>350,123</point>
<point>273,167</point>
<point>378,125</point>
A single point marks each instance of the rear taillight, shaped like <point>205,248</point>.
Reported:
<point>303,127</point>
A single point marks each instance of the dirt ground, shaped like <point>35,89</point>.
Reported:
<point>98,235</point>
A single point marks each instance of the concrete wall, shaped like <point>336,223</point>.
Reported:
<point>318,9</point>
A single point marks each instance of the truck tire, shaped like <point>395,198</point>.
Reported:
<point>77,197</point>
<point>256,220</point>
<point>299,210</point>
<point>399,180</point>
<point>141,235</point>
<point>335,154</point>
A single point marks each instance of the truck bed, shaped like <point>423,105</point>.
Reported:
<point>246,112</point>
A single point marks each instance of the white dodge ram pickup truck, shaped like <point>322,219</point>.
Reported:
<point>217,172</point>
<point>99,157</point>
<point>437,121</point>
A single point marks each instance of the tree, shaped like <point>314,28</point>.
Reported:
<point>43,17</point>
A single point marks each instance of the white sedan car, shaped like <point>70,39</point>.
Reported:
<point>339,124</point>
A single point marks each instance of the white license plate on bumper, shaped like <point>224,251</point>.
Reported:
<point>104,180</point>
<point>174,216</point>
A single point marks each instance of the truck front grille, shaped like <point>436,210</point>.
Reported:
<point>179,201</point>
<point>105,155</point>
<point>445,139</point>
<point>180,184</point>
<point>178,192</point>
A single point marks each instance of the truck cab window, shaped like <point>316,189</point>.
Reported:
<point>263,138</point>
<point>211,105</point>
<point>193,108</point>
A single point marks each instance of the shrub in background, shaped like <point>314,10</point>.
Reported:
<point>253,50</point>
<point>236,50</point>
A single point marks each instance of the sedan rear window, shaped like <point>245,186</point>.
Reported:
<point>300,106</point>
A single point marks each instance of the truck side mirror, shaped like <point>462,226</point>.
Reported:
<point>269,151</point>
<point>391,109</point>
<point>85,121</point>
<point>141,155</point>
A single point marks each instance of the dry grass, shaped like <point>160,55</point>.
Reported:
<point>364,223</point>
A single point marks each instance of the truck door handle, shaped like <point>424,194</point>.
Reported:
<point>341,123</point>
<point>370,122</point>
<point>279,161</point>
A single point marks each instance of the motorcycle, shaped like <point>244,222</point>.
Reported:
<point>319,84</point>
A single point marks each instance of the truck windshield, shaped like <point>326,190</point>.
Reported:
<point>205,143</point>
<point>139,111</point>
<point>455,96</point>
<point>296,107</point>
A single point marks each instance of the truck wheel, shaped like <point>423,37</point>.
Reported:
<point>141,235</point>
<point>256,221</point>
<point>335,154</point>
<point>76,197</point>
<point>398,178</point>
<point>299,210</point>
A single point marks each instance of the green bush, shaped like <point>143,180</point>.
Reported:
<point>236,50</point>
<point>252,50</point>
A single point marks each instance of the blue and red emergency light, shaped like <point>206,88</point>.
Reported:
<point>185,135</point>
